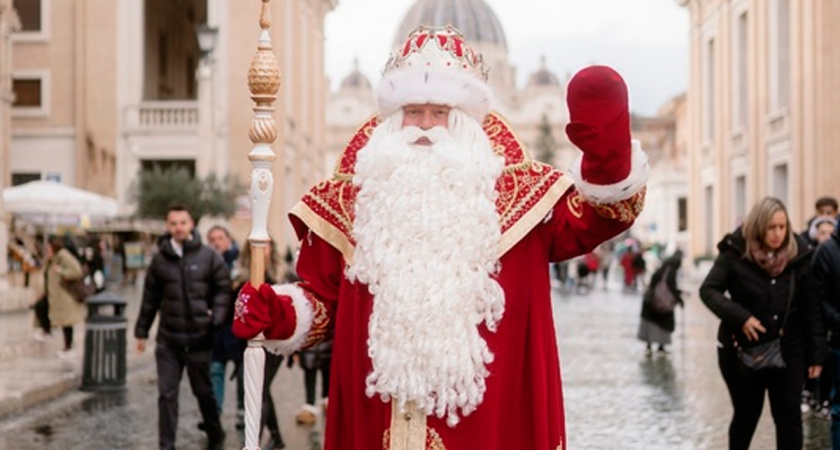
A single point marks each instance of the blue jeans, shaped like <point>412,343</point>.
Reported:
<point>834,367</point>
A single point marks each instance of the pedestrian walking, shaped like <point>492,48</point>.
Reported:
<point>188,286</point>
<point>427,257</point>
<point>658,305</point>
<point>771,332</point>
<point>826,270</point>
<point>227,347</point>
<point>64,309</point>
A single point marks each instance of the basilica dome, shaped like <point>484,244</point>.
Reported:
<point>474,18</point>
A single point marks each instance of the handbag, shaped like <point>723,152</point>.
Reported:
<point>664,300</point>
<point>79,289</point>
<point>769,354</point>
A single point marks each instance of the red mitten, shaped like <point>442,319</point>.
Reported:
<point>263,311</point>
<point>600,124</point>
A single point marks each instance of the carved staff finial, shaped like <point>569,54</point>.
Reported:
<point>264,84</point>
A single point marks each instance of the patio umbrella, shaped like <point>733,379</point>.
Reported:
<point>53,201</point>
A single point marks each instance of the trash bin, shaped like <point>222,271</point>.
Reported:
<point>105,343</point>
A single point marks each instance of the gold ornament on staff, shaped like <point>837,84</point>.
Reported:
<point>264,83</point>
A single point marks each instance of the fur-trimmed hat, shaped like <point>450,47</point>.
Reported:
<point>435,65</point>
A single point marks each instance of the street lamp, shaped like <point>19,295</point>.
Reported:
<point>206,36</point>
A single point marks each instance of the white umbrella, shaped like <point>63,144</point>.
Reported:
<point>56,199</point>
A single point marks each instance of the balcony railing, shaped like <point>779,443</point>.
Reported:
<point>160,116</point>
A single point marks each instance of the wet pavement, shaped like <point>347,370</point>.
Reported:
<point>616,397</point>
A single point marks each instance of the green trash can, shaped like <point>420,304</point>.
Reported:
<point>105,343</point>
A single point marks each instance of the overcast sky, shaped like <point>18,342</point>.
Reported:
<point>645,40</point>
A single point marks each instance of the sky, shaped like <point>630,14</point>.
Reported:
<point>647,41</point>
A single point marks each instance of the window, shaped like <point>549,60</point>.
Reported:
<point>682,214</point>
<point>27,92</point>
<point>740,78</point>
<point>30,13</point>
<point>709,94</point>
<point>31,90</point>
<point>780,182</point>
<point>739,205</point>
<point>22,178</point>
<point>709,226</point>
<point>779,57</point>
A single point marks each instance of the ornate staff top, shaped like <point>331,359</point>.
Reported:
<point>264,83</point>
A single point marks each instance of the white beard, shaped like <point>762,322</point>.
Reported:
<point>427,235</point>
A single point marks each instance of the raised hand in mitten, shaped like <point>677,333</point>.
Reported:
<point>600,124</point>
<point>263,311</point>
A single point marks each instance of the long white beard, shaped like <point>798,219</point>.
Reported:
<point>427,235</point>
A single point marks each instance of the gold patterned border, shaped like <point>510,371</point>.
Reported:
<point>534,215</point>
<point>624,211</point>
<point>319,329</point>
<point>325,230</point>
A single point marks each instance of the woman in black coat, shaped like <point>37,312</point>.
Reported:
<point>657,324</point>
<point>761,269</point>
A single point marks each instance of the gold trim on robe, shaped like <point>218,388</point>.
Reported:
<point>527,191</point>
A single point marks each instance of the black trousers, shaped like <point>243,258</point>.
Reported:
<point>746,390</point>
<point>171,362</point>
<point>309,378</point>
<point>42,314</point>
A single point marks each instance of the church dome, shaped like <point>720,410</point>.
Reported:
<point>543,76</point>
<point>356,79</point>
<point>474,18</point>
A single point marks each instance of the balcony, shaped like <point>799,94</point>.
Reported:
<point>162,117</point>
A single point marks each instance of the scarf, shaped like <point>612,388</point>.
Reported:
<point>773,262</point>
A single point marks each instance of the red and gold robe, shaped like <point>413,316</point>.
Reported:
<point>543,218</point>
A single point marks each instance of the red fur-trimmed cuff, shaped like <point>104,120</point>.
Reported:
<point>608,194</point>
<point>304,315</point>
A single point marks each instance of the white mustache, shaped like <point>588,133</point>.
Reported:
<point>412,134</point>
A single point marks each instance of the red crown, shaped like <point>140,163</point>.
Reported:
<point>450,52</point>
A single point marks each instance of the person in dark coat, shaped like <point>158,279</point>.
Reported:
<point>657,326</point>
<point>189,285</point>
<point>762,268</point>
<point>826,270</point>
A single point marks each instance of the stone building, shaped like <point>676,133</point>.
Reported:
<point>108,88</point>
<point>762,100</point>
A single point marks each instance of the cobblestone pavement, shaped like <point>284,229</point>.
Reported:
<point>616,397</point>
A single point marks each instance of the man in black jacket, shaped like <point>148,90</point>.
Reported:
<point>825,268</point>
<point>189,284</point>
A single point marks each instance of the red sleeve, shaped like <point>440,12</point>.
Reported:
<point>577,226</point>
<point>320,267</point>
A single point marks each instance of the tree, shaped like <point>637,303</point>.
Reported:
<point>546,144</point>
<point>154,191</point>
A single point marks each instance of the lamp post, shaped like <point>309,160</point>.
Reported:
<point>206,37</point>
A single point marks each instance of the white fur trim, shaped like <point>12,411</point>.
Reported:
<point>604,194</point>
<point>304,314</point>
<point>422,85</point>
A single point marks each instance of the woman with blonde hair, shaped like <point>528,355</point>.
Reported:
<point>760,287</point>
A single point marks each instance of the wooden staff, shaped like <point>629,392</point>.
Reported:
<point>264,83</point>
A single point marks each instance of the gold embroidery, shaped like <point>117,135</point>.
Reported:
<point>533,215</point>
<point>624,211</point>
<point>325,229</point>
<point>320,322</point>
<point>575,204</point>
<point>433,440</point>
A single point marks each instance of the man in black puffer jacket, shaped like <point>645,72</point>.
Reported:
<point>825,268</point>
<point>189,284</point>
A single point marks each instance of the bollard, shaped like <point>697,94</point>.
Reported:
<point>105,344</point>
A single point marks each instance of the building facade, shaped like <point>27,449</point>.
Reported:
<point>9,24</point>
<point>116,87</point>
<point>762,100</point>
